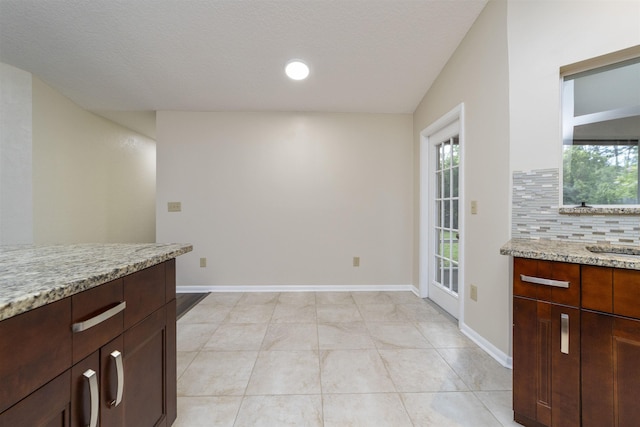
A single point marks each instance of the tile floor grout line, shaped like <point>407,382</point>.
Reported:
<point>411,320</point>
<point>319,365</point>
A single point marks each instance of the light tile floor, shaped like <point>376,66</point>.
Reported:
<point>333,359</point>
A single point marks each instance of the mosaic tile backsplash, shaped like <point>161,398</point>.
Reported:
<point>536,198</point>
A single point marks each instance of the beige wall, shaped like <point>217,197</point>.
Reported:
<point>16,204</point>
<point>544,36</point>
<point>506,71</point>
<point>477,75</point>
<point>93,180</point>
<point>287,198</point>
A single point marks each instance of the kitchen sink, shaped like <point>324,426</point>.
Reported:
<point>620,251</point>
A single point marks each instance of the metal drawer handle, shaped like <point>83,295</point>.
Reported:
<point>91,376</point>
<point>564,333</point>
<point>116,356</point>
<point>107,314</point>
<point>546,282</point>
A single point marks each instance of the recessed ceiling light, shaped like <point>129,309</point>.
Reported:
<point>296,70</point>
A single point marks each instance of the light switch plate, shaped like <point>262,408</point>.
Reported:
<point>474,293</point>
<point>174,207</point>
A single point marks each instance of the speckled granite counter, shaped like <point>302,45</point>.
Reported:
<point>32,276</point>
<point>557,250</point>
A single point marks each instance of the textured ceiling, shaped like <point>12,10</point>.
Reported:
<point>228,55</point>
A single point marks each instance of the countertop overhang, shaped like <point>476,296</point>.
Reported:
<point>572,252</point>
<point>34,275</point>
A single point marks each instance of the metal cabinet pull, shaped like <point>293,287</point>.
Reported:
<point>116,356</point>
<point>107,314</point>
<point>545,282</point>
<point>564,333</point>
<point>91,376</point>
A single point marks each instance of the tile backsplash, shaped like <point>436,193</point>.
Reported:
<point>535,204</point>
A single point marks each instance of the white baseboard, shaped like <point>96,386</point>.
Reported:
<point>493,351</point>
<point>297,288</point>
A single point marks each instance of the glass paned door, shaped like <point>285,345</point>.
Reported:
<point>446,231</point>
<point>444,258</point>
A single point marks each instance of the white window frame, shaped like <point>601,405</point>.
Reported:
<point>567,111</point>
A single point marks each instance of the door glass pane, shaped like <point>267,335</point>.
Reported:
<point>454,214</point>
<point>438,243</point>
<point>446,157</point>
<point>447,214</point>
<point>454,247</point>
<point>454,185</point>
<point>455,148</point>
<point>438,270</point>
<point>454,279</point>
<point>447,182</point>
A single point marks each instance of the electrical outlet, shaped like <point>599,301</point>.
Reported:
<point>474,207</point>
<point>174,207</point>
<point>356,261</point>
<point>203,262</point>
<point>474,293</point>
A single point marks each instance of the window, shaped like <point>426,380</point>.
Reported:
<point>601,129</point>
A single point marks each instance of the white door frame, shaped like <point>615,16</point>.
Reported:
<point>426,190</point>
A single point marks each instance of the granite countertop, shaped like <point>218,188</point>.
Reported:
<point>573,252</point>
<point>33,275</point>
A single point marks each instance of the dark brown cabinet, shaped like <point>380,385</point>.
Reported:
<point>46,407</point>
<point>101,369</point>
<point>546,346</point>
<point>33,351</point>
<point>611,350</point>
<point>145,345</point>
<point>596,319</point>
<point>106,355</point>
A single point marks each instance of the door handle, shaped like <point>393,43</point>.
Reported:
<point>92,378</point>
<point>545,282</point>
<point>564,333</point>
<point>107,314</point>
<point>116,356</point>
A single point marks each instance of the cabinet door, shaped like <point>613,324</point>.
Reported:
<point>171,364</point>
<point>46,407</point>
<point>107,380</point>
<point>145,372</point>
<point>34,348</point>
<point>626,371</point>
<point>610,370</point>
<point>546,363</point>
<point>82,392</point>
<point>565,366</point>
<point>525,330</point>
<point>112,379</point>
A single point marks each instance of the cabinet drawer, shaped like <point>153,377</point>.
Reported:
<point>626,293</point>
<point>170,277</point>
<point>34,347</point>
<point>551,281</point>
<point>145,292</point>
<point>597,288</point>
<point>101,301</point>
